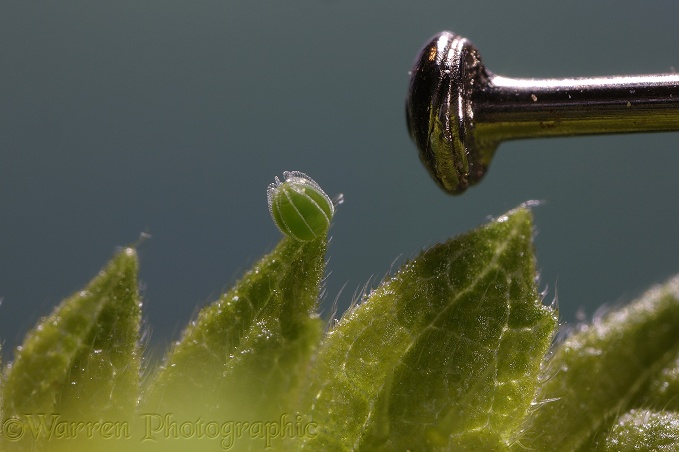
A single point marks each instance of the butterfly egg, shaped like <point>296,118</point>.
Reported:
<point>299,207</point>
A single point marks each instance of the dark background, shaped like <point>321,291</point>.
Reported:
<point>172,118</point>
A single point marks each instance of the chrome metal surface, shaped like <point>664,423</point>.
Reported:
<point>458,112</point>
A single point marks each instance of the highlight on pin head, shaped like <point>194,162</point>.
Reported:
<point>299,207</point>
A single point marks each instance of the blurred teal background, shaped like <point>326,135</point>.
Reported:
<point>172,118</point>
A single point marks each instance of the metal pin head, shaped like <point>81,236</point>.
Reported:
<point>439,112</point>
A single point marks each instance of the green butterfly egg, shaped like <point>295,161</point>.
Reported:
<point>299,207</point>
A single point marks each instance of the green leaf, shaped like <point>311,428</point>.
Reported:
<point>663,389</point>
<point>82,361</point>
<point>244,356</point>
<point>643,430</point>
<point>2,417</point>
<point>602,370</point>
<point>442,356</point>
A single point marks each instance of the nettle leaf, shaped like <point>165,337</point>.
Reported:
<point>663,389</point>
<point>82,362</point>
<point>244,356</point>
<point>606,368</point>
<point>643,430</point>
<point>448,354</point>
<point>445,355</point>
